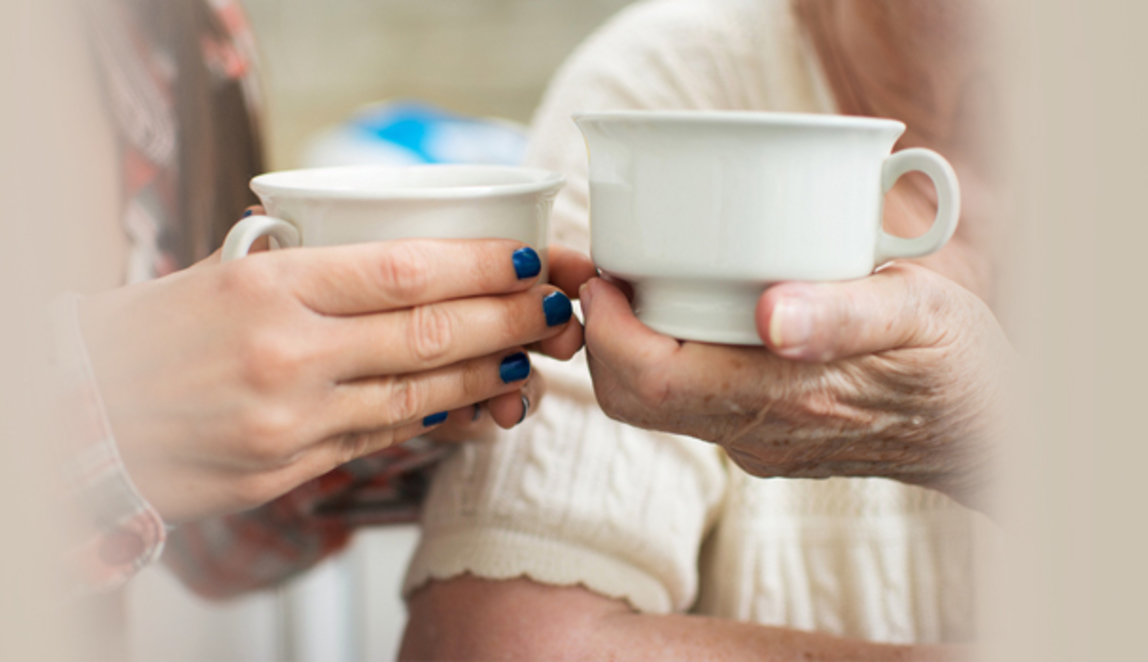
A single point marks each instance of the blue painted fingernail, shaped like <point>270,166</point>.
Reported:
<point>557,308</point>
<point>527,264</point>
<point>514,368</point>
<point>525,408</point>
<point>248,212</point>
<point>435,419</point>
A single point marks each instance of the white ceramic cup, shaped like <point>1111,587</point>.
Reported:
<point>330,206</point>
<point>701,211</point>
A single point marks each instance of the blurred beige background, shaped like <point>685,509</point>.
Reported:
<point>324,58</point>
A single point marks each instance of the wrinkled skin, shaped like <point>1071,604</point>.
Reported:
<point>898,379</point>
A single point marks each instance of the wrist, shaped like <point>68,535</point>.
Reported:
<point>117,531</point>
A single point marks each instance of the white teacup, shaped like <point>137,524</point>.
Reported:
<point>329,206</point>
<point>701,211</point>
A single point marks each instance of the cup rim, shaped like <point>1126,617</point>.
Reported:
<point>536,180</point>
<point>745,117</point>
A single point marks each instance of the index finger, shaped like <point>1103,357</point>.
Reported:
<point>617,338</point>
<point>392,275</point>
<point>662,373</point>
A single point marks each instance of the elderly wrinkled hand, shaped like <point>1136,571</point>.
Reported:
<point>893,375</point>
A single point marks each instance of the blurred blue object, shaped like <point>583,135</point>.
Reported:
<point>407,133</point>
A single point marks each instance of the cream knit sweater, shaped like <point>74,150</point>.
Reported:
<point>668,523</point>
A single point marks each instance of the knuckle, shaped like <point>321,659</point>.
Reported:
<point>518,319</point>
<point>252,278</point>
<point>512,323</point>
<point>403,273</point>
<point>272,358</point>
<point>614,409</point>
<point>267,434</point>
<point>653,388</point>
<point>926,302</point>
<point>920,286</point>
<point>431,333</point>
<point>613,399</point>
<point>490,262</point>
<point>476,381</point>
<point>403,400</point>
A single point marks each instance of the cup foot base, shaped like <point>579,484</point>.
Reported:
<point>714,312</point>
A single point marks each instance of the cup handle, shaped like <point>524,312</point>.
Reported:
<point>245,232</point>
<point>948,204</point>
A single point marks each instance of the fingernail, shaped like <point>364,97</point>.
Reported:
<point>435,419</point>
<point>525,408</point>
<point>584,295</point>
<point>558,309</point>
<point>790,325</point>
<point>527,264</point>
<point>248,212</point>
<point>514,368</point>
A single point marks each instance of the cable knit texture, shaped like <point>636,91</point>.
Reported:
<point>663,522</point>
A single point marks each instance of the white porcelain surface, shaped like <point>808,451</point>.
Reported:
<point>701,211</point>
<point>329,206</point>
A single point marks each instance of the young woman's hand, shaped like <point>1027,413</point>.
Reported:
<point>228,384</point>
<point>569,269</point>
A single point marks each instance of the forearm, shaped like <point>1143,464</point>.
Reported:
<point>680,637</point>
<point>471,619</point>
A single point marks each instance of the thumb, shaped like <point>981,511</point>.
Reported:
<point>569,269</point>
<point>820,322</point>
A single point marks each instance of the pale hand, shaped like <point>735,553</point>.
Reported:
<point>227,385</point>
